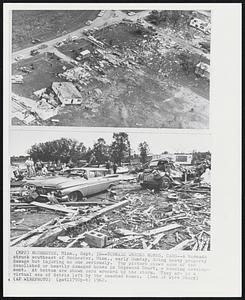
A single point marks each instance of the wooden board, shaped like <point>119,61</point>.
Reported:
<point>162,229</point>
<point>55,207</point>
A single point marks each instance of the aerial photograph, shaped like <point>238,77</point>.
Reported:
<point>111,68</point>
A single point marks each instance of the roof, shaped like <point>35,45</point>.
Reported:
<point>65,90</point>
<point>85,52</point>
<point>203,66</point>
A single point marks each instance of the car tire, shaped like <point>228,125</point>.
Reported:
<point>165,183</point>
<point>73,197</point>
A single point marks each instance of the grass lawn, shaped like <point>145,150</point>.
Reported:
<point>45,24</point>
<point>42,76</point>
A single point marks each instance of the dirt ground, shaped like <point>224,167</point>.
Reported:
<point>45,25</point>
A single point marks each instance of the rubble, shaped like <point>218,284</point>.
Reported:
<point>129,217</point>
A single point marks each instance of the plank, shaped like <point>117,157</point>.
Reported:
<point>55,207</point>
<point>184,244</point>
<point>162,229</point>
<point>86,203</point>
<point>156,240</point>
<point>47,237</point>
<point>21,205</point>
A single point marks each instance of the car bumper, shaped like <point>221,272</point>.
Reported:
<point>60,198</point>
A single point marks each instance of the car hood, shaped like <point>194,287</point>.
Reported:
<point>58,182</point>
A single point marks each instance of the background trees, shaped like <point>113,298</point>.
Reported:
<point>61,149</point>
<point>101,151</point>
<point>174,18</point>
<point>120,147</point>
<point>118,151</point>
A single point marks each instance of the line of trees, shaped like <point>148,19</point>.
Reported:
<point>69,149</point>
<point>174,18</point>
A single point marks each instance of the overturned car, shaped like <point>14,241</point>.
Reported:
<point>161,174</point>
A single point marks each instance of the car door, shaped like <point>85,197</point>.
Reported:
<point>100,181</point>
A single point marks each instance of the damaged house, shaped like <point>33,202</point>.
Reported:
<point>202,70</point>
<point>67,93</point>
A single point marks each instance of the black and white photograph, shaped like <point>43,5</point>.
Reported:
<point>120,190</point>
<point>111,68</point>
<point>122,150</point>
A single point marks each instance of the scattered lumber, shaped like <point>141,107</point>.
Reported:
<point>76,239</point>
<point>102,211</point>
<point>32,232</point>
<point>48,237</point>
<point>47,234</point>
<point>124,240</point>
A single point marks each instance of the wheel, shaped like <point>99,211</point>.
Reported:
<point>165,183</point>
<point>73,197</point>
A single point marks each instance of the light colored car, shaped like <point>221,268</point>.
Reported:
<point>122,170</point>
<point>17,58</point>
<point>89,22</point>
<point>131,13</point>
<point>101,13</point>
<point>75,183</point>
<point>74,38</point>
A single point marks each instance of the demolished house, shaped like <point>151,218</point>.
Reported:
<point>202,70</point>
<point>67,93</point>
<point>17,79</point>
<point>85,53</point>
<point>21,113</point>
<point>200,25</point>
<point>28,110</point>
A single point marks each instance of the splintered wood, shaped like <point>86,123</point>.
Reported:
<point>137,219</point>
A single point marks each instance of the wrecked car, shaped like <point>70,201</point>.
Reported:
<point>160,174</point>
<point>75,184</point>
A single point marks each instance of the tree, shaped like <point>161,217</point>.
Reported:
<point>198,157</point>
<point>101,151</point>
<point>120,147</point>
<point>144,151</point>
<point>174,18</point>
<point>62,149</point>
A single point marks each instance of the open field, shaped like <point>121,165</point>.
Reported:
<point>45,25</point>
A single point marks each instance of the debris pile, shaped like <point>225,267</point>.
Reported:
<point>128,217</point>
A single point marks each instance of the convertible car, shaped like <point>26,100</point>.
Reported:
<point>75,183</point>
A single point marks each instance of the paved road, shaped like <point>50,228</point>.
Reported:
<point>110,17</point>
